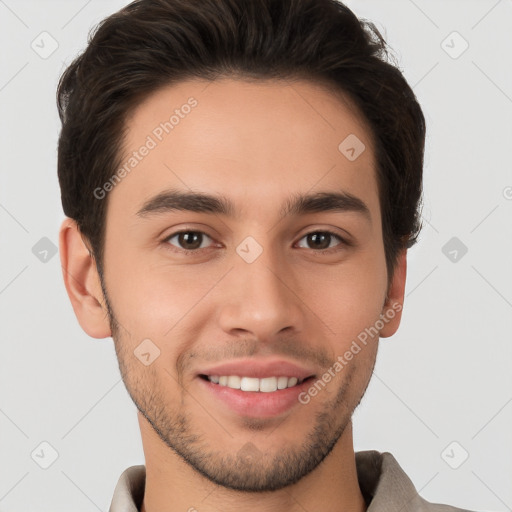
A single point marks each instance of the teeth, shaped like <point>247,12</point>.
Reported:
<point>233,382</point>
<point>282,382</point>
<point>249,384</point>
<point>266,385</point>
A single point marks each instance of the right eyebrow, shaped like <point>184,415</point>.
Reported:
<point>177,200</point>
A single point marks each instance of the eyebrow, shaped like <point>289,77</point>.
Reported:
<point>298,204</point>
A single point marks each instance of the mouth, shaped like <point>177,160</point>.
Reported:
<point>254,384</point>
<point>253,397</point>
<point>256,387</point>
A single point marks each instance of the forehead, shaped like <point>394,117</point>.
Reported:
<point>257,141</point>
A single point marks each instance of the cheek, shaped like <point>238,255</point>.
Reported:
<point>348,298</point>
<point>151,299</point>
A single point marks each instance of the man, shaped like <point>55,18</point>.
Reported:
<point>242,181</point>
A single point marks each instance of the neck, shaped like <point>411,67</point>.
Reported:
<point>174,486</point>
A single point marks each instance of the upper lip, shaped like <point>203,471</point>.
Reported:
<point>259,368</point>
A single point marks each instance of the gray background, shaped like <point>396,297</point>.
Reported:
<point>442,385</point>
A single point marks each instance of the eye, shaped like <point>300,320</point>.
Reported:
<point>321,240</point>
<point>189,241</point>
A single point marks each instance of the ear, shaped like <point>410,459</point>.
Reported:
<point>392,310</point>
<point>82,281</point>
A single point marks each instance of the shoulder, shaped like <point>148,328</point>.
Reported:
<point>129,491</point>
<point>385,486</point>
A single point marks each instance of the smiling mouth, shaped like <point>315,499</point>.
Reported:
<point>254,384</point>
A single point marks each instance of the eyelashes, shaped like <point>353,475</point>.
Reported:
<point>324,233</point>
<point>199,241</point>
<point>182,236</point>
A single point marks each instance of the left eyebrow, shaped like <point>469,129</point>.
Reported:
<point>298,204</point>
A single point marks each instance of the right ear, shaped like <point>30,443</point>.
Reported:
<point>82,281</point>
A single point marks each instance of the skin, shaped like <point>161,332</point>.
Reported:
<point>258,144</point>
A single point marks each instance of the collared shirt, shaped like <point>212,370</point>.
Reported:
<point>383,483</point>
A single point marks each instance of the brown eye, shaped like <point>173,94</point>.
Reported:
<point>321,240</point>
<point>189,240</point>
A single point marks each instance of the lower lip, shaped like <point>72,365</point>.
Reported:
<point>257,404</point>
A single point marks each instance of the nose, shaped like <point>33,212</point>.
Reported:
<point>261,299</point>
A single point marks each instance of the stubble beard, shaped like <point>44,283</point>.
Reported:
<point>248,469</point>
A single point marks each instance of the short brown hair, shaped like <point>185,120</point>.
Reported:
<point>153,43</point>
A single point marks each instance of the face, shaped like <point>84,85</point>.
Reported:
<point>248,287</point>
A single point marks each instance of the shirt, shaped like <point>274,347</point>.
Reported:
<point>383,483</point>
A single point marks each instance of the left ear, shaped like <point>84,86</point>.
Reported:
<point>392,310</point>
